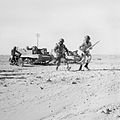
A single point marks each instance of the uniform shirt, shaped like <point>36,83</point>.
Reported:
<point>60,49</point>
<point>85,46</point>
<point>13,52</point>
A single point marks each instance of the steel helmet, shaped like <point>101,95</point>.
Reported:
<point>14,47</point>
<point>61,40</point>
<point>87,37</point>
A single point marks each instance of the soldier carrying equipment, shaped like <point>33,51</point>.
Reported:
<point>85,48</point>
<point>60,50</point>
<point>93,45</point>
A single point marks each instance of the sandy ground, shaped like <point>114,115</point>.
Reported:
<point>42,93</point>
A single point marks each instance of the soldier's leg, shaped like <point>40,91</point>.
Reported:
<point>68,67</point>
<point>14,59</point>
<point>58,61</point>
<point>67,63</point>
<point>89,57</point>
<point>82,62</point>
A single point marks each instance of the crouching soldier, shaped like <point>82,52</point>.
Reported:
<point>60,50</point>
<point>85,48</point>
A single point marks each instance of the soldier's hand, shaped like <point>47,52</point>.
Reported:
<point>90,48</point>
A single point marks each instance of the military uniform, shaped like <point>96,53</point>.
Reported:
<point>60,50</point>
<point>14,55</point>
<point>85,48</point>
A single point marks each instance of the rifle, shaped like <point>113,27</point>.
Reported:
<point>92,46</point>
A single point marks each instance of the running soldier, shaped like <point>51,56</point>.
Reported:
<point>60,50</point>
<point>85,48</point>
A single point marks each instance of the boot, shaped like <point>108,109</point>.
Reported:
<point>86,66</point>
<point>57,68</point>
<point>80,67</point>
<point>58,64</point>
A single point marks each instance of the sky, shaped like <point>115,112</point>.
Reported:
<point>21,20</point>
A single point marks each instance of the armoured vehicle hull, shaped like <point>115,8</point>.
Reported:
<point>27,57</point>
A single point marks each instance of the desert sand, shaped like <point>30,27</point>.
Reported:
<point>42,93</point>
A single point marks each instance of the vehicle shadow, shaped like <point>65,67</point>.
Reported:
<point>28,66</point>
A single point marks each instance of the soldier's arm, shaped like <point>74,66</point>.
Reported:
<point>81,47</point>
<point>66,49</point>
<point>55,49</point>
<point>18,52</point>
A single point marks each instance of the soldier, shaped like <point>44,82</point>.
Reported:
<point>60,50</point>
<point>15,56</point>
<point>85,48</point>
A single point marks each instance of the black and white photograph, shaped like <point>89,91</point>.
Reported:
<point>59,60</point>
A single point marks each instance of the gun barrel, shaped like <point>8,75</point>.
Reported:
<point>93,45</point>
